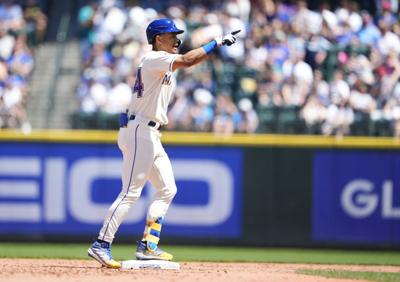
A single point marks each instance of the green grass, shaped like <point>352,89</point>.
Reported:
<point>207,253</point>
<point>362,275</point>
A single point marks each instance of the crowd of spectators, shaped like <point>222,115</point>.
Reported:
<point>22,25</point>
<point>331,70</point>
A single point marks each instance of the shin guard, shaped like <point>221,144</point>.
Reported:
<point>152,233</point>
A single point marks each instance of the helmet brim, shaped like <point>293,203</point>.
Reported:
<point>177,31</point>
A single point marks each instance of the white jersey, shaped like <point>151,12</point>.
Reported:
<point>153,88</point>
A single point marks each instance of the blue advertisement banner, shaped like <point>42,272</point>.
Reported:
<point>356,197</point>
<point>56,188</point>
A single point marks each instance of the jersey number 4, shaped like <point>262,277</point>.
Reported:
<point>138,87</point>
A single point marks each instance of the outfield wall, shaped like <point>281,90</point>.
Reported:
<point>265,190</point>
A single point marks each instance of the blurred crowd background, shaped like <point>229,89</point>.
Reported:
<point>22,27</point>
<point>298,67</point>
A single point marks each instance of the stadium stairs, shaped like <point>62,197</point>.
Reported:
<point>53,85</point>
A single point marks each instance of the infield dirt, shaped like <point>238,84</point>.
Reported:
<point>45,270</point>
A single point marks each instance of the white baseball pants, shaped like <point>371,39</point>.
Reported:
<point>144,158</point>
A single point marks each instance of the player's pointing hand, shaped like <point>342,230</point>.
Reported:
<point>229,39</point>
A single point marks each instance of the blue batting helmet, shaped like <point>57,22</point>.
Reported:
<point>161,26</point>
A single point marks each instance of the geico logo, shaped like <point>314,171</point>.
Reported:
<point>53,191</point>
<point>219,178</point>
<point>26,188</point>
<point>359,199</point>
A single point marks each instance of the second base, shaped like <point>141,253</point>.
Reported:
<point>149,264</point>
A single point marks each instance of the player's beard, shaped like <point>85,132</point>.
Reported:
<point>170,46</point>
<point>175,48</point>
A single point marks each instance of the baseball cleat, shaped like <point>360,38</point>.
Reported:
<point>102,253</point>
<point>144,253</point>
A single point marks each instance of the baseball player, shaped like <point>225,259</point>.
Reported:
<point>144,157</point>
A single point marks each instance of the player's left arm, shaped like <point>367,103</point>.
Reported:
<point>197,55</point>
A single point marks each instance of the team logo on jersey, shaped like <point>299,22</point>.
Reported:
<point>167,79</point>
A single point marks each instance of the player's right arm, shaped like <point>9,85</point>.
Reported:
<point>197,55</point>
<point>189,59</point>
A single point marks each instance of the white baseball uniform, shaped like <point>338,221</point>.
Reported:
<point>144,157</point>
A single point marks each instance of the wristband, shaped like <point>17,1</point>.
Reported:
<point>123,119</point>
<point>210,46</point>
